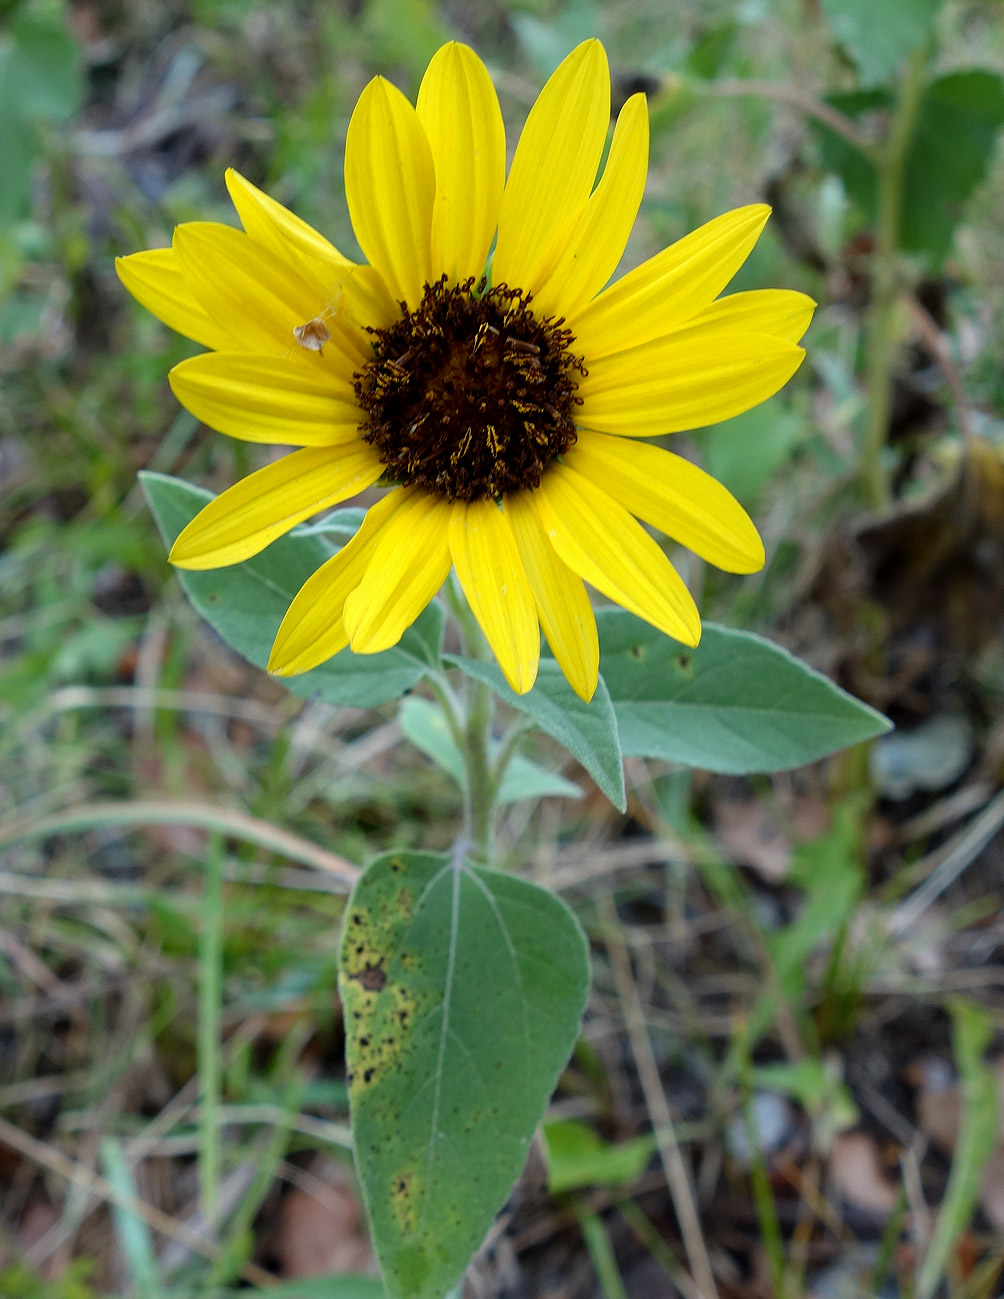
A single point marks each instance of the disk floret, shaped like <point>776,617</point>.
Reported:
<point>470,396</point>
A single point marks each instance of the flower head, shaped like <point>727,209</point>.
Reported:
<point>498,394</point>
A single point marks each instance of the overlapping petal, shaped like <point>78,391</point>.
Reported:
<point>459,110</point>
<point>267,399</point>
<point>283,233</point>
<point>247,517</point>
<point>671,287</point>
<point>408,566</point>
<point>262,297</point>
<point>553,169</point>
<point>390,187</point>
<point>782,313</point>
<point>490,571</point>
<point>155,280</point>
<point>686,380</point>
<point>563,606</point>
<point>673,495</point>
<point>314,629</point>
<point>595,246</point>
<point>358,291</point>
<point>598,539</point>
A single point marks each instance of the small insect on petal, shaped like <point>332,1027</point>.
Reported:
<point>313,335</point>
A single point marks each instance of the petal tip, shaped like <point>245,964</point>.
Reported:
<point>584,691</point>
<point>280,666</point>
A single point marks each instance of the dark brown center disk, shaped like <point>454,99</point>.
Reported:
<point>470,395</point>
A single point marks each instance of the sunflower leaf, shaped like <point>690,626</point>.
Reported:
<point>463,991</point>
<point>246,602</point>
<point>588,731</point>
<point>879,37</point>
<point>735,704</point>
<point>958,120</point>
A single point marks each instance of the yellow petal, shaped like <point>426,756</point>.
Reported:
<point>367,299</point>
<point>684,381</point>
<point>673,495</point>
<point>562,601</point>
<point>599,540</point>
<point>553,169</point>
<point>668,289</point>
<point>250,515</point>
<point>459,110</point>
<point>155,280</point>
<point>782,313</point>
<point>390,187</point>
<point>491,576</point>
<point>267,399</point>
<point>313,629</point>
<point>407,568</point>
<point>595,247</point>
<point>262,298</point>
<point>360,290</point>
<point>282,232</point>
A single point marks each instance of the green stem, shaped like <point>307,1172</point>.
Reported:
<point>480,791</point>
<point>479,801</point>
<point>210,1006</point>
<point>763,1195</point>
<point>882,328</point>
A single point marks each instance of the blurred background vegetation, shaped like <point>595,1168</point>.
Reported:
<point>815,960</point>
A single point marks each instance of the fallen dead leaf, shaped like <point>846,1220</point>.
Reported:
<point>749,832</point>
<point>937,1101</point>
<point>321,1229</point>
<point>992,1190</point>
<point>856,1173</point>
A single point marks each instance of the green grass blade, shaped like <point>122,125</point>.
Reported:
<point>972,1031</point>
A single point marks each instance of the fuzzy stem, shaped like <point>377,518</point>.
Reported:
<point>480,788</point>
<point>882,340</point>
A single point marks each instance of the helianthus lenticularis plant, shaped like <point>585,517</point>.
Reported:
<point>481,369</point>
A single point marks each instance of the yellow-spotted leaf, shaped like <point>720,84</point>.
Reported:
<point>463,990</point>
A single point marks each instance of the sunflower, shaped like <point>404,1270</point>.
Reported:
<point>478,368</point>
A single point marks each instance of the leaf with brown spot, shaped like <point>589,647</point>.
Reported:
<point>454,1056</point>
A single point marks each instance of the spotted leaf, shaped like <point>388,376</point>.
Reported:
<point>463,990</point>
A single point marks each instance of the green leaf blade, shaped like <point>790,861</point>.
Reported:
<point>463,992</point>
<point>577,1157</point>
<point>880,36</point>
<point>736,704</point>
<point>951,148</point>
<point>245,604</point>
